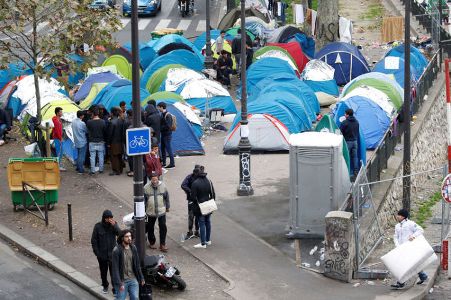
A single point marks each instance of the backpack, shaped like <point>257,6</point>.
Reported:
<point>174,121</point>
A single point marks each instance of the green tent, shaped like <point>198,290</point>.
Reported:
<point>234,31</point>
<point>328,124</point>
<point>380,85</point>
<point>277,52</point>
<point>168,97</point>
<point>95,89</point>
<point>155,81</point>
<point>124,68</point>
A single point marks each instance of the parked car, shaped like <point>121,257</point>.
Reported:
<point>145,7</point>
<point>102,4</point>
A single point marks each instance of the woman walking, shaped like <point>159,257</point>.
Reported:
<point>202,190</point>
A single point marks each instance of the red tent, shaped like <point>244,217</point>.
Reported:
<point>295,51</point>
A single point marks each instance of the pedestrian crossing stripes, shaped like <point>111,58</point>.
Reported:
<point>142,24</point>
<point>201,26</point>
<point>162,24</point>
<point>125,22</point>
<point>184,24</point>
<point>152,24</point>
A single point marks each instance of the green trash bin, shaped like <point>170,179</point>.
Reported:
<point>38,175</point>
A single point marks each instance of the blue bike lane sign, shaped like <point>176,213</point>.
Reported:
<point>138,141</point>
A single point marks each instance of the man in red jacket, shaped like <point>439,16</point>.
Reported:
<point>57,135</point>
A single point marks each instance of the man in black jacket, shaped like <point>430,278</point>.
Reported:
<point>350,130</point>
<point>103,241</point>
<point>153,118</point>
<point>166,136</point>
<point>127,273</point>
<point>186,187</point>
<point>236,49</point>
<point>5,124</point>
<point>116,141</point>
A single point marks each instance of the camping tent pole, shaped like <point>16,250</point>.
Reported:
<point>406,111</point>
<point>244,147</point>
<point>138,189</point>
<point>208,63</point>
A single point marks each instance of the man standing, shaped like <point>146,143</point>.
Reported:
<point>123,107</point>
<point>186,187</point>
<point>166,136</point>
<point>405,231</point>
<point>126,267</point>
<point>57,135</point>
<point>103,240</point>
<point>236,50</point>
<point>220,42</point>
<point>80,131</point>
<point>116,141</point>
<point>152,162</point>
<point>153,118</point>
<point>350,130</point>
<point>96,137</point>
<point>5,124</point>
<point>157,207</point>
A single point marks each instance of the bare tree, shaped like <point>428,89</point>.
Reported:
<point>326,23</point>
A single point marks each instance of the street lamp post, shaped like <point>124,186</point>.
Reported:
<point>406,111</point>
<point>138,189</point>
<point>208,63</point>
<point>244,147</point>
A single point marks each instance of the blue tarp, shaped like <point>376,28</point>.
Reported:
<point>85,88</point>
<point>328,86</point>
<point>417,60</point>
<point>181,56</point>
<point>373,121</point>
<point>12,71</point>
<point>307,43</point>
<point>200,41</point>
<point>117,91</point>
<point>224,102</point>
<point>395,73</point>
<point>146,54</point>
<point>346,59</point>
<point>184,139</point>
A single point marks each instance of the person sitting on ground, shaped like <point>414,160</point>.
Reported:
<point>224,68</point>
<point>5,125</point>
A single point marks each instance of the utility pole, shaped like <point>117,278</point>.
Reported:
<point>208,63</point>
<point>138,189</point>
<point>244,147</point>
<point>406,111</point>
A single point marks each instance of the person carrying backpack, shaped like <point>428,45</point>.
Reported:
<point>168,125</point>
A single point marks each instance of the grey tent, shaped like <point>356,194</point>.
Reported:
<point>230,18</point>
<point>281,34</point>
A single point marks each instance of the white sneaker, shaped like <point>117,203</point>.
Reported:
<point>2,142</point>
<point>164,170</point>
<point>209,243</point>
<point>199,246</point>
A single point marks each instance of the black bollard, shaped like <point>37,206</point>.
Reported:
<point>69,218</point>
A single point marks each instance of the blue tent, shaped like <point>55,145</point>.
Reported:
<point>117,91</point>
<point>269,68</point>
<point>146,54</point>
<point>85,88</point>
<point>296,87</point>
<point>224,102</point>
<point>307,43</point>
<point>181,56</point>
<point>346,59</point>
<point>200,41</point>
<point>396,72</point>
<point>328,86</point>
<point>161,43</point>
<point>373,121</point>
<point>184,139</point>
<point>417,60</point>
<point>12,71</point>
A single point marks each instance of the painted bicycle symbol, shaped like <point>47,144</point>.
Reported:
<point>139,141</point>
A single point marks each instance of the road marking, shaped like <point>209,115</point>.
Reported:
<point>142,24</point>
<point>162,24</point>
<point>201,26</point>
<point>125,21</point>
<point>184,24</point>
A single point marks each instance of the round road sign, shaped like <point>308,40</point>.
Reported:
<point>446,188</point>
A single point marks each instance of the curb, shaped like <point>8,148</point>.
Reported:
<point>52,262</point>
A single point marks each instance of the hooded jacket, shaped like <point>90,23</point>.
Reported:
<point>103,238</point>
<point>201,190</point>
<point>153,120</point>
<point>350,129</point>
<point>157,199</point>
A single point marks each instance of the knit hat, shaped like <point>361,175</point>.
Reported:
<point>107,214</point>
<point>403,212</point>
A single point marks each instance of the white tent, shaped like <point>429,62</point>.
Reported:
<point>375,95</point>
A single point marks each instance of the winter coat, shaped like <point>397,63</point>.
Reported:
<point>406,229</point>
<point>118,265</point>
<point>153,164</point>
<point>186,186</point>
<point>153,120</point>
<point>116,131</point>
<point>103,239</point>
<point>157,199</point>
<point>201,190</point>
<point>350,129</point>
<point>166,124</point>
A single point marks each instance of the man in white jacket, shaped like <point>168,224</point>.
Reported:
<point>407,230</point>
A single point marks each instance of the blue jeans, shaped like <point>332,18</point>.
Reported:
<point>167,147</point>
<point>353,147</point>
<point>59,151</point>
<point>205,228</point>
<point>131,287</point>
<point>81,154</point>
<point>2,130</point>
<point>96,149</point>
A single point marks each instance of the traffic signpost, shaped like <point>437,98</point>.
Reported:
<point>446,188</point>
<point>138,141</point>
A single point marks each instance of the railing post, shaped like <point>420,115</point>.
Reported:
<point>46,209</point>
<point>69,219</point>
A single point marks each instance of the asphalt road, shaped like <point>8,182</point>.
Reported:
<point>23,278</point>
<point>169,17</point>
